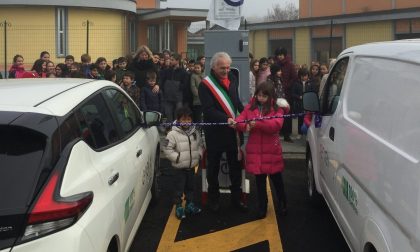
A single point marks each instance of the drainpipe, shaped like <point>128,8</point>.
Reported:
<point>168,34</point>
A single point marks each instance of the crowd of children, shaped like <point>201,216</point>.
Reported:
<point>290,87</point>
<point>149,78</point>
<point>167,83</point>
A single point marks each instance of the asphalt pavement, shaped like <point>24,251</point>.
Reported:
<point>309,226</point>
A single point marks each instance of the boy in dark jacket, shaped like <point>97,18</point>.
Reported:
<point>129,86</point>
<point>94,73</point>
<point>298,88</point>
<point>86,62</point>
<point>175,87</point>
<point>150,101</point>
<point>122,69</point>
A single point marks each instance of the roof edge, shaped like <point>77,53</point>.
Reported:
<point>124,5</point>
<point>150,14</point>
<point>339,19</point>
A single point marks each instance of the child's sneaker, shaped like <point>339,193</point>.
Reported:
<point>192,209</point>
<point>179,212</point>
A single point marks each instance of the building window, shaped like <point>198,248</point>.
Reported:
<point>132,35</point>
<point>153,37</point>
<point>323,47</point>
<point>61,32</point>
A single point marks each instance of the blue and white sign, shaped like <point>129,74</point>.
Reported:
<point>235,3</point>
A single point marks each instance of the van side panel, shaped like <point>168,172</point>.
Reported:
<point>381,150</point>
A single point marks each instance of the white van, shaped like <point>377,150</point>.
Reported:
<point>363,153</point>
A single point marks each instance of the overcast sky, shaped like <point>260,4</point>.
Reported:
<point>251,8</point>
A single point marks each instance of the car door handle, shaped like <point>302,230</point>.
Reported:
<point>331,133</point>
<point>139,152</point>
<point>113,178</point>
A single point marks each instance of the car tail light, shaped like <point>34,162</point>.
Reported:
<point>52,213</point>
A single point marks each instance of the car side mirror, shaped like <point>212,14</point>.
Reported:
<point>152,118</point>
<point>311,102</point>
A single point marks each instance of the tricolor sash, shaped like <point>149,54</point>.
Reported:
<point>221,96</point>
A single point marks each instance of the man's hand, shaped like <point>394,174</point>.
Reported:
<point>231,123</point>
<point>252,124</point>
<point>155,89</point>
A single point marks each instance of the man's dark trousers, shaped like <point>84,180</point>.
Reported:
<point>235,175</point>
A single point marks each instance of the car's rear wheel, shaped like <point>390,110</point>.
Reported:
<point>312,192</point>
<point>156,174</point>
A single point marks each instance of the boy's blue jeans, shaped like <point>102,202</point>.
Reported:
<point>184,184</point>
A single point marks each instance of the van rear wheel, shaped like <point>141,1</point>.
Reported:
<point>312,192</point>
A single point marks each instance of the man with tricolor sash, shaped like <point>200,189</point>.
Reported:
<point>220,102</point>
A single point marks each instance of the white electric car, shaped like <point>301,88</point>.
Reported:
<point>78,165</point>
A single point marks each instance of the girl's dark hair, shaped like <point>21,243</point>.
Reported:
<point>62,66</point>
<point>37,67</point>
<point>251,65</point>
<point>266,88</point>
<point>122,59</point>
<point>318,75</point>
<point>43,53</point>
<point>302,72</point>
<point>99,60</point>
<point>263,60</point>
<point>183,111</point>
<point>16,57</point>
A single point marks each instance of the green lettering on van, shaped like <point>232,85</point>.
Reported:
<point>129,203</point>
<point>349,193</point>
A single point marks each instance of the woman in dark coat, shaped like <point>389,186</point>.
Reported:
<point>141,64</point>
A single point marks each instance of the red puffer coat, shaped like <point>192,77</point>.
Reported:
<point>263,150</point>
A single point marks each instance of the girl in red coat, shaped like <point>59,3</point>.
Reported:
<point>263,150</point>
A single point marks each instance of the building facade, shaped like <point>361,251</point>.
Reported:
<point>326,27</point>
<point>64,27</point>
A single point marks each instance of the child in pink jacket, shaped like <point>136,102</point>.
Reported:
<point>17,70</point>
<point>263,150</point>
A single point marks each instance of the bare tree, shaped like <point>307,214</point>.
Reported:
<point>278,13</point>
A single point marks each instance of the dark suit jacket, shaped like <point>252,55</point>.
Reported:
<point>219,138</point>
